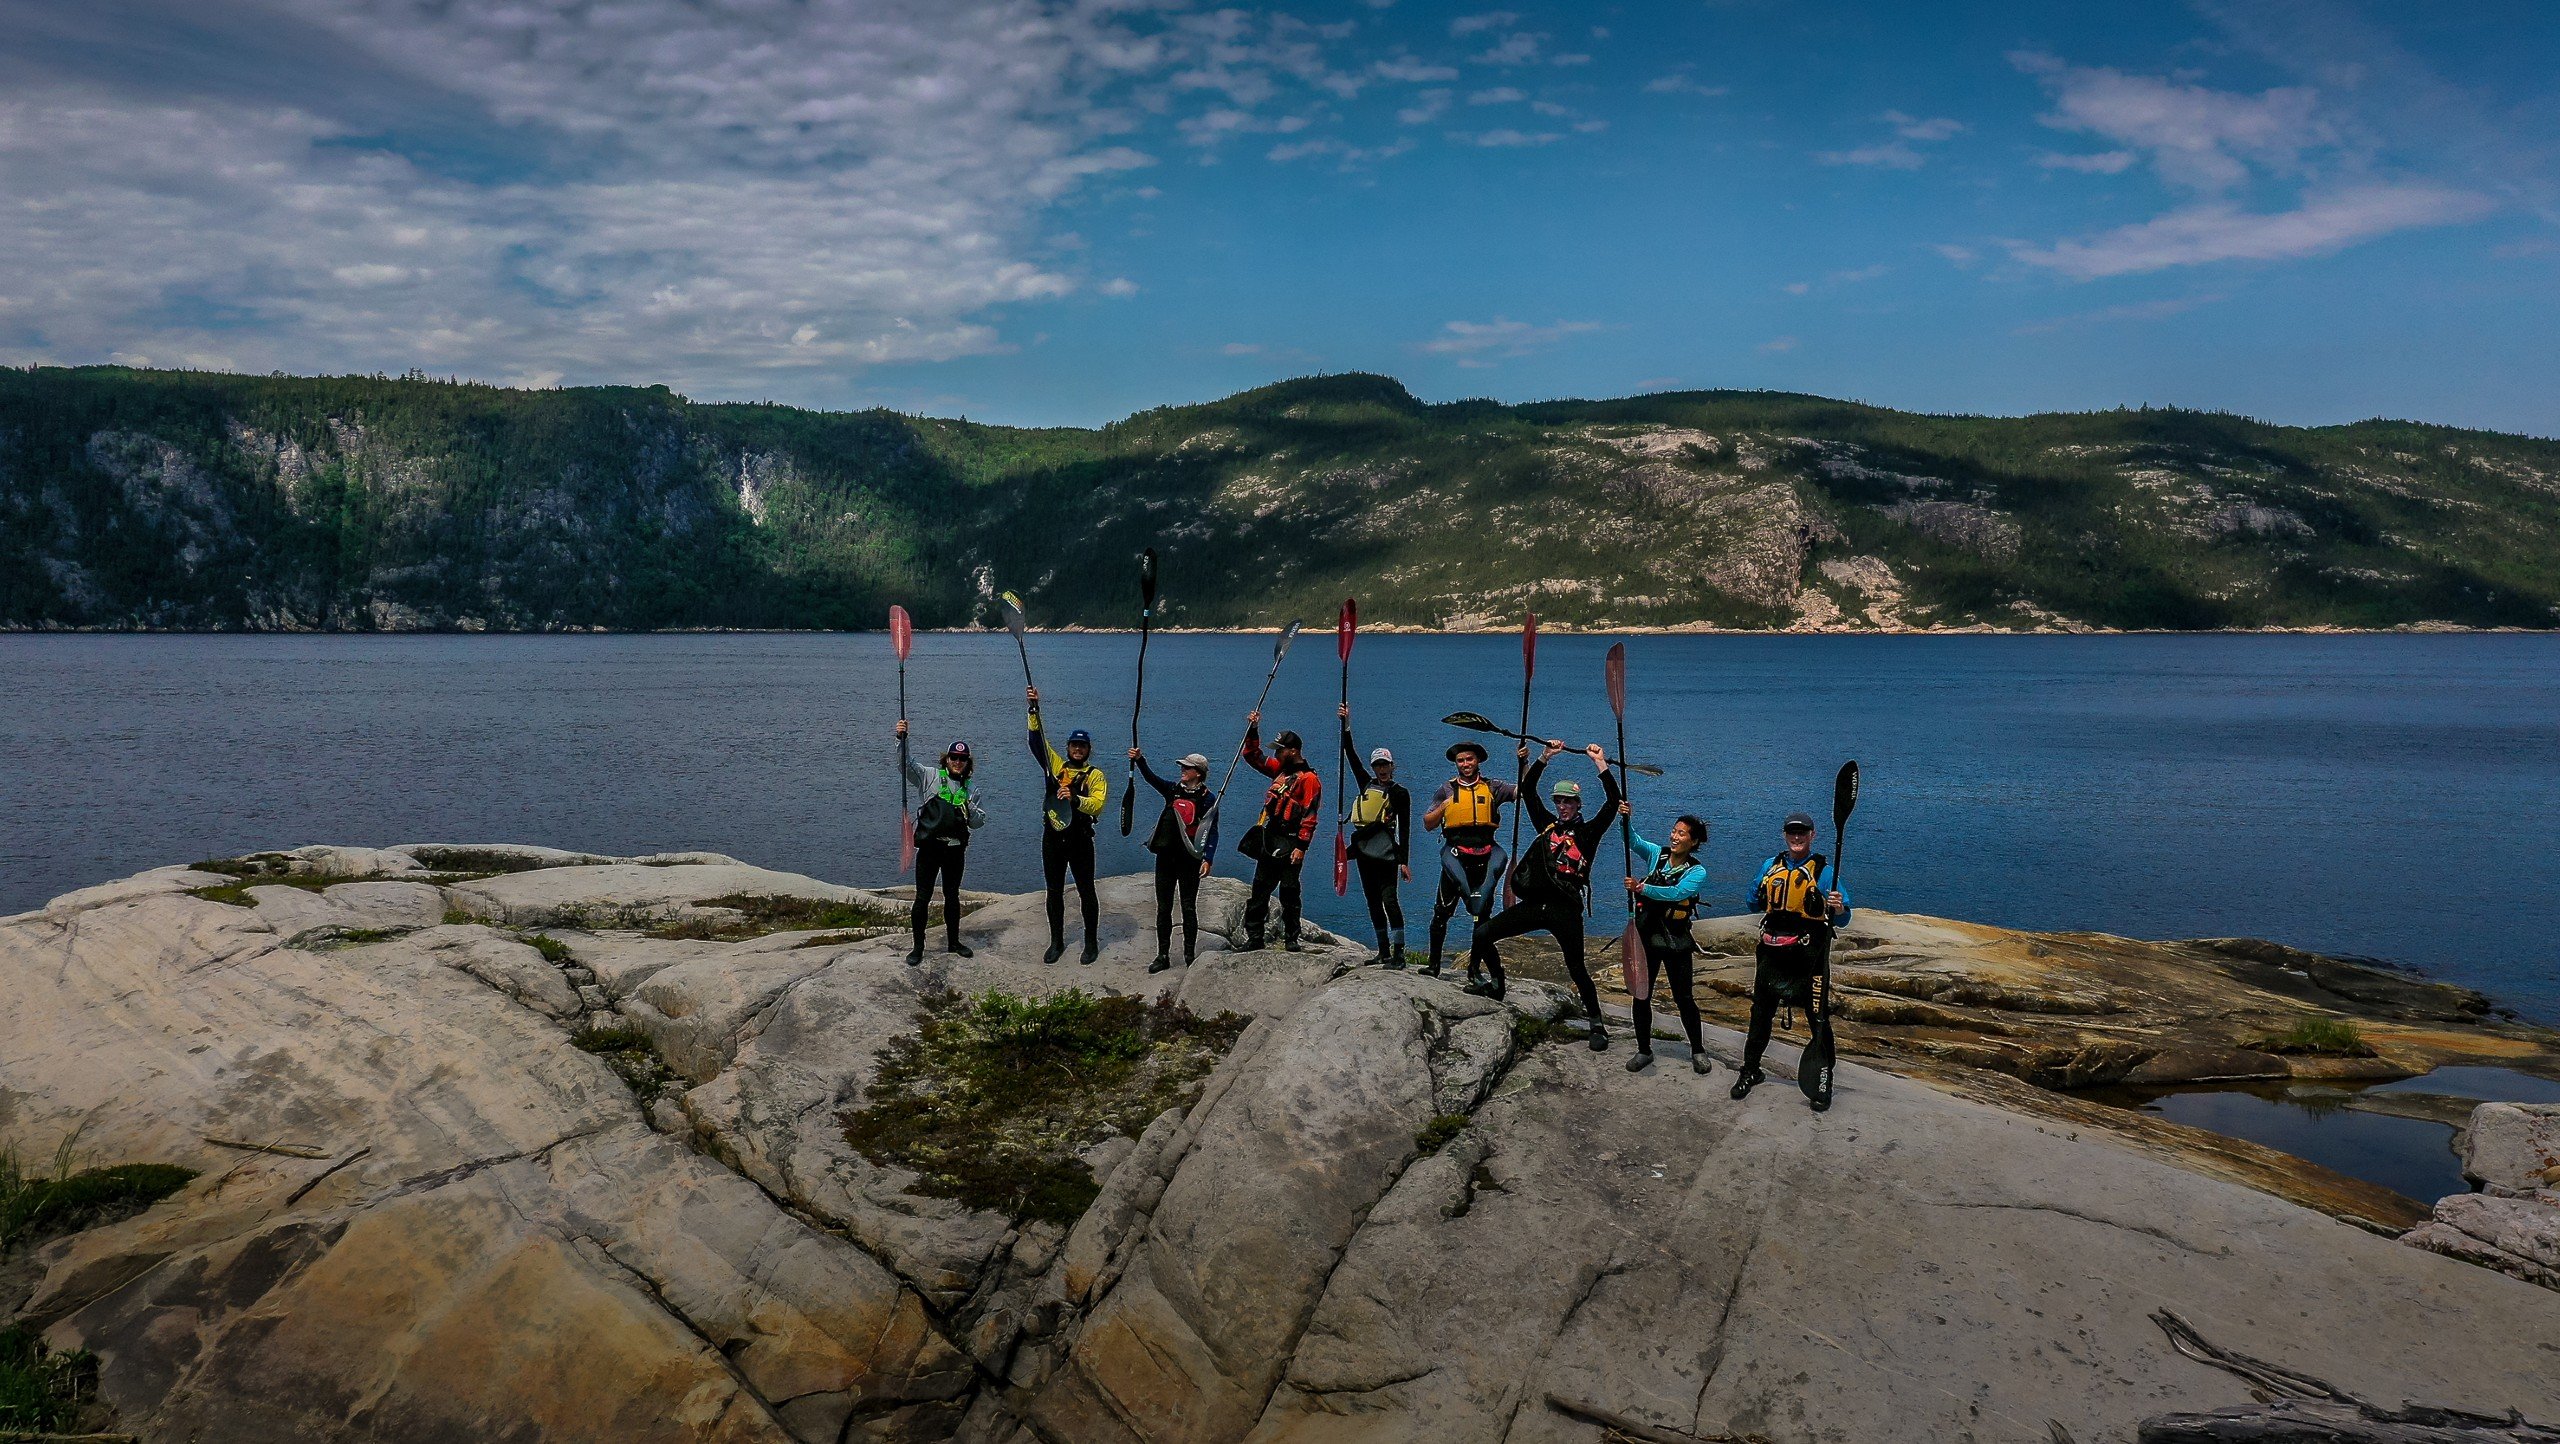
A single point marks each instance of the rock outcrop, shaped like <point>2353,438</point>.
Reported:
<point>2511,1152</point>
<point>1393,1212</point>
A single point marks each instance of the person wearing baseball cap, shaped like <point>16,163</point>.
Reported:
<point>1075,793</point>
<point>1282,833</point>
<point>1798,919</point>
<point>943,824</point>
<point>1467,813</point>
<point>1381,842</point>
<point>1185,843</point>
<point>1553,879</point>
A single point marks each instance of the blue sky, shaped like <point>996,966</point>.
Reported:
<point>2308,210</point>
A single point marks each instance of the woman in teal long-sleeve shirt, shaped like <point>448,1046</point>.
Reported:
<point>1665,896</point>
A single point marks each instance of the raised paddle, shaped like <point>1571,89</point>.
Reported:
<point>1478,722</point>
<point>1520,765</point>
<point>1146,622</point>
<point>1343,633</point>
<point>1279,654</point>
<point>902,637</point>
<point>1639,977</point>
<point>1013,623</point>
<point>1844,800</point>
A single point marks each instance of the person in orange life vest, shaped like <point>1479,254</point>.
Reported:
<point>1553,879</point>
<point>1798,918</point>
<point>1281,835</point>
<point>1185,843</point>
<point>1467,813</point>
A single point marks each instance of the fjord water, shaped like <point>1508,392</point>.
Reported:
<point>2389,796</point>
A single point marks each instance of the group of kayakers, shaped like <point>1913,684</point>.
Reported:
<point>1549,883</point>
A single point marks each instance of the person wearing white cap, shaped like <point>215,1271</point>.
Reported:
<point>1381,842</point>
<point>1185,843</point>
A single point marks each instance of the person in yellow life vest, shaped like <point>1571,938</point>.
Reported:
<point>1076,792</point>
<point>1381,817</point>
<point>1467,813</point>
<point>1800,910</point>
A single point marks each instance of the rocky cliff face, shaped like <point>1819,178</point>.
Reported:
<point>1392,1212</point>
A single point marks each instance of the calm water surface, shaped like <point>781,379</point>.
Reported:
<point>2397,797</point>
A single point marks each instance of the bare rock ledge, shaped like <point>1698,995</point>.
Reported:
<point>493,1240</point>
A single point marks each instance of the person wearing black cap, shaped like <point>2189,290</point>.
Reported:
<point>1185,843</point>
<point>1798,918</point>
<point>943,824</point>
<point>1076,792</point>
<point>1553,880</point>
<point>1381,842</point>
<point>1467,813</point>
<point>1283,831</point>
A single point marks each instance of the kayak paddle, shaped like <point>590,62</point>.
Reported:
<point>1639,976</point>
<point>1013,624</point>
<point>902,637</point>
<point>1478,722</point>
<point>1344,631</point>
<point>1279,654</point>
<point>1519,764</point>
<point>1844,800</point>
<point>1146,622</point>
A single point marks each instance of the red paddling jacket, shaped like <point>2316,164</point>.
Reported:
<point>1291,805</point>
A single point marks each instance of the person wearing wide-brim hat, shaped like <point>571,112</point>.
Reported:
<point>1185,843</point>
<point>1799,915</point>
<point>943,824</point>
<point>1466,811</point>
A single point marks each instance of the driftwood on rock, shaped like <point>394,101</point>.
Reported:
<point>2297,1408</point>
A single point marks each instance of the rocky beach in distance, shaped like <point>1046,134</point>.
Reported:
<point>482,1141</point>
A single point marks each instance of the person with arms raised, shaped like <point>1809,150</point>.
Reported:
<point>1185,843</point>
<point>943,824</point>
<point>1381,842</point>
<point>1076,791</point>
<point>1553,879</point>
<point>1467,813</point>
<point>1282,833</point>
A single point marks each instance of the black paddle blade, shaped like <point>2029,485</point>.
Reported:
<point>1844,797</point>
<point>1279,650</point>
<point>1147,580</point>
<point>1128,809</point>
<point>1472,721</point>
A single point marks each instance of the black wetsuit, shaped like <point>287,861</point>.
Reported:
<point>1471,862</point>
<point>1379,849</point>
<point>1181,848</point>
<point>1794,969</point>
<point>1545,905</point>
<point>1066,837</point>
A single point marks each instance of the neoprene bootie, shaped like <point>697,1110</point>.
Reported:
<point>1162,962</point>
<point>1091,952</point>
<point>1641,1061</point>
<point>1056,951</point>
<point>1746,1080</point>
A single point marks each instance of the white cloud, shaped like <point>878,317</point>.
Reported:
<point>1499,95</point>
<point>1779,344</point>
<point>2214,231</point>
<point>1682,84</point>
<point>1956,255</point>
<point>1572,59</point>
<point>1426,108</point>
<point>1913,128</point>
<point>1510,139</point>
<point>1515,49</point>
<point>1407,70</point>
<point>1119,288</point>
<point>2105,162</point>
<point>1892,155</point>
<point>1352,157</point>
<point>1480,343</point>
<point>1490,20</point>
<point>2197,138</point>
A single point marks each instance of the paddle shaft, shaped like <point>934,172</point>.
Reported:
<point>1257,707</point>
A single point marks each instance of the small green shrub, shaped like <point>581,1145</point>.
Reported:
<point>1436,1134</point>
<point>2317,1033</point>
<point>634,1059</point>
<point>1528,1032</point>
<point>992,1097</point>
<point>34,1207</point>
<point>553,950</point>
<point>42,1391</point>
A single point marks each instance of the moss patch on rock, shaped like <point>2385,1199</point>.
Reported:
<point>991,1099</point>
<point>634,1059</point>
<point>2316,1034</point>
<point>36,1207</point>
<point>758,915</point>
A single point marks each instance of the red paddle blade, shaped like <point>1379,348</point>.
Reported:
<point>1349,625</point>
<point>902,631</point>
<point>907,843</point>
<point>1341,864</point>
<point>1618,679</point>
<point>1631,962</point>
<point>1529,644</point>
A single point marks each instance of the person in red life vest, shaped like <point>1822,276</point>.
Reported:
<point>1281,835</point>
<point>1798,917</point>
<point>1553,879</point>
<point>1185,843</point>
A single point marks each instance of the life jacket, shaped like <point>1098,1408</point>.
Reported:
<point>1373,824</point>
<point>1064,813</point>
<point>1371,808</point>
<point>944,817</point>
<point>1664,926</point>
<point>1180,825</point>
<point>1556,867</point>
<point>1472,815</point>
<point>1791,895</point>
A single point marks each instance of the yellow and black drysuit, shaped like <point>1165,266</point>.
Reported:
<point>1796,928</point>
<point>1066,835</point>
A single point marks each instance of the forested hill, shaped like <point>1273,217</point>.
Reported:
<point>186,500</point>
